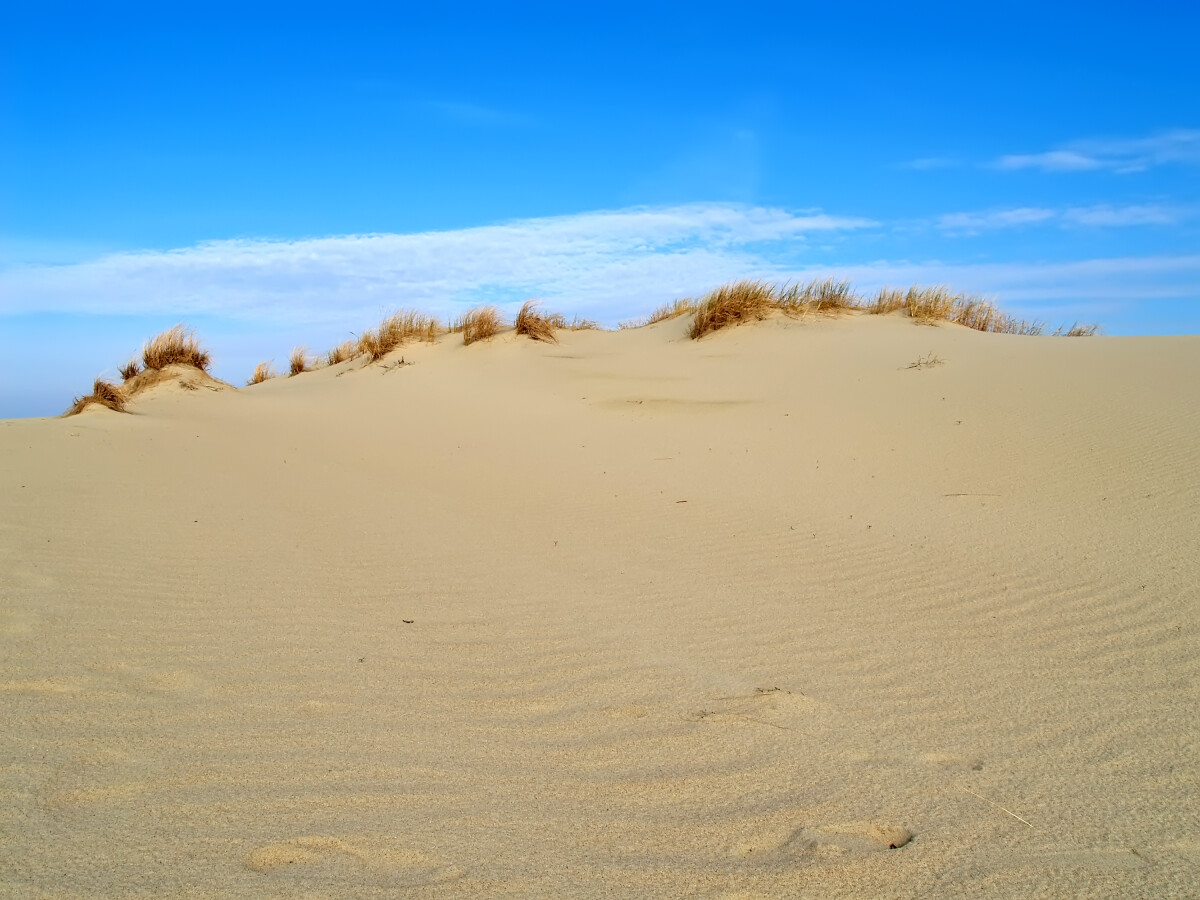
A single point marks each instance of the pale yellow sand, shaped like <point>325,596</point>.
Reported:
<point>716,618</point>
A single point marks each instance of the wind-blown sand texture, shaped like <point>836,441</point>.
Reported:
<point>622,615</point>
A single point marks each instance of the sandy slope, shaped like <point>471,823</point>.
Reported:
<point>715,618</point>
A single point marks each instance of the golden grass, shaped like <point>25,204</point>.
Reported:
<point>537,325</point>
<point>819,295</point>
<point>931,304</point>
<point>888,300</point>
<point>1078,330</point>
<point>104,393</point>
<point>732,304</point>
<point>395,330</point>
<point>580,324</point>
<point>340,353</point>
<point>130,369</point>
<point>262,372</point>
<point>298,362</point>
<point>478,324</point>
<point>175,346</point>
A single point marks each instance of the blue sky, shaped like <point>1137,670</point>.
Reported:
<point>283,174</point>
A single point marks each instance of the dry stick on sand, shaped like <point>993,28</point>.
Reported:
<point>995,804</point>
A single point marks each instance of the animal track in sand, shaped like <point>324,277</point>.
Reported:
<point>773,706</point>
<point>826,840</point>
<point>393,867</point>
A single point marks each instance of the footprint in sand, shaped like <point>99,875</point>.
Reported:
<point>826,840</point>
<point>391,867</point>
<point>770,706</point>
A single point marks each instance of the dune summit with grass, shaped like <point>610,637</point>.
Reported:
<point>781,591</point>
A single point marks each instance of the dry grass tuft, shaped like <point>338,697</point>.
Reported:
<point>732,304</point>
<point>298,362</point>
<point>130,369</point>
<point>825,295</point>
<point>395,330</point>
<point>1078,330</point>
<point>931,304</point>
<point>579,324</point>
<point>478,324</point>
<point>262,372</point>
<point>539,326</point>
<point>104,393</point>
<point>888,300</point>
<point>674,310</point>
<point>340,353</point>
<point>175,346</point>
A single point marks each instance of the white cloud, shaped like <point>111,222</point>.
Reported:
<point>1098,216</point>
<point>1106,216</point>
<point>611,263</point>
<point>1000,218</point>
<point>1121,155</point>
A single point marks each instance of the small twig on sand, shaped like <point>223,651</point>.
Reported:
<point>997,805</point>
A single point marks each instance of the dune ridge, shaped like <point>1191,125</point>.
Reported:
<point>769,613</point>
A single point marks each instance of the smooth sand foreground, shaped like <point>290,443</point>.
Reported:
<point>628,615</point>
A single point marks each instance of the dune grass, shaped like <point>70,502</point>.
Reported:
<point>298,362</point>
<point>262,372</point>
<point>131,369</point>
<point>538,325</point>
<point>478,324</point>
<point>819,295</point>
<point>103,393</point>
<point>1078,330</point>
<point>732,304</point>
<point>340,353</point>
<point>175,346</point>
<point>578,323</point>
<point>394,330</point>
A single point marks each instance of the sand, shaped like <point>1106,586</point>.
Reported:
<point>772,613</point>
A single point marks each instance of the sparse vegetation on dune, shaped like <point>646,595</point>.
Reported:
<point>396,329</point>
<point>340,353</point>
<point>175,346</point>
<point>130,369</point>
<point>478,324</point>
<point>103,393</point>
<point>262,372</point>
<point>1078,330</point>
<point>819,295</point>
<point>578,323</point>
<point>538,325</point>
<point>732,304</point>
<point>298,362</point>
<point>938,304</point>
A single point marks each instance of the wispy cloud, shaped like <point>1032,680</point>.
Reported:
<point>1121,155</point>
<point>1098,216</point>
<point>610,263</point>
<point>972,222</point>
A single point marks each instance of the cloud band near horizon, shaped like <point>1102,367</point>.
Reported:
<point>608,265</point>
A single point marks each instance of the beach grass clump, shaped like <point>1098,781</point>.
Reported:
<point>538,325</point>
<point>394,330</point>
<point>824,295</point>
<point>131,369</point>
<point>340,353</point>
<point>732,304</point>
<point>888,300</point>
<point>103,393</point>
<point>929,304</point>
<point>673,310</point>
<point>578,323</point>
<point>478,324</point>
<point>1079,329</point>
<point>298,362</point>
<point>262,372</point>
<point>175,346</point>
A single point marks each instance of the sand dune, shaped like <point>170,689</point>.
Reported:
<point>777,612</point>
